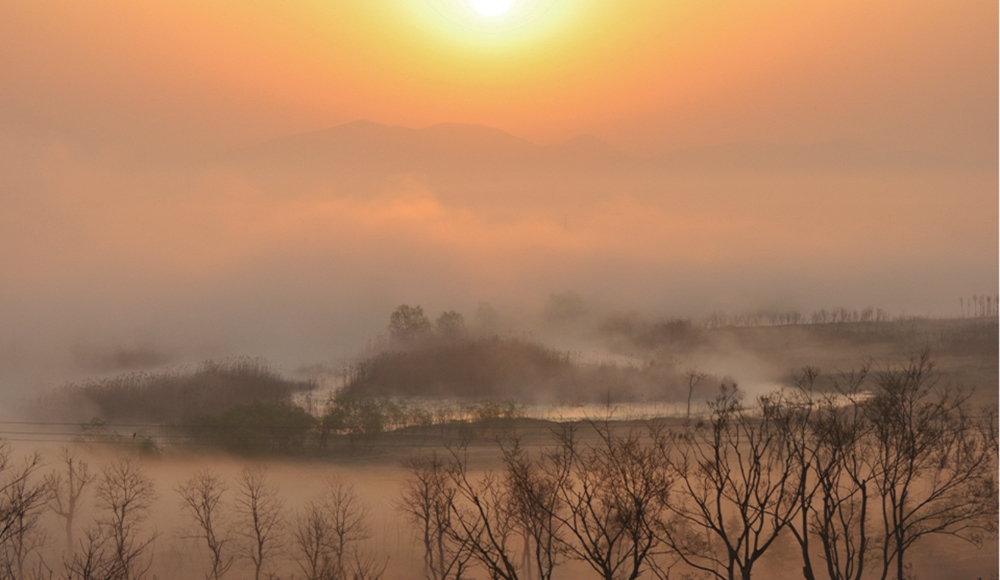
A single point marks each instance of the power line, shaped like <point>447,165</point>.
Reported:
<point>169,426</point>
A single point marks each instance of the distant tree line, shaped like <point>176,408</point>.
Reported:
<point>975,307</point>
<point>721,319</point>
<point>979,306</point>
<point>629,332</point>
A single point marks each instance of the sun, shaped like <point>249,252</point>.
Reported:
<point>490,28</point>
<point>492,8</point>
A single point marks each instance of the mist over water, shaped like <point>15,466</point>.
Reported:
<point>113,264</point>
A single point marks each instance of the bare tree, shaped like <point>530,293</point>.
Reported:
<point>933,465</point>
<point>124,494</point>
<point>612,499</point>
<point>694,378</point>
<point>327,534</point>
<point>366,566</point>
<point>22,500</point>
<point>602,504</point>
<point>735,489</point>
<point>25,536</point>
<point>828,440</point>
<point>67,491</point>
<point>347,521</point>
<point>884,459</point>
<point>95,558</point>
<point>484,518</point>
<point>427,500</point>
<point>312,538</point>
<point>259,511</point>
<point>535,501</point>
<point>202,495</point>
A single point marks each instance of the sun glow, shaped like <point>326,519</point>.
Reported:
<point>492,8</point>
<point>494,25</point>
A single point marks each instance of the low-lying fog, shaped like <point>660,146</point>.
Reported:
<point>110,262</point>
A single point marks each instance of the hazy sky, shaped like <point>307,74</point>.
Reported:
<point>647,75</point>
<point>115,235</point>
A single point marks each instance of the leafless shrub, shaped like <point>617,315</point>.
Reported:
<point>125,493</point>
<point>312,539</point>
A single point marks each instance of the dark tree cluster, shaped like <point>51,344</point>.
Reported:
<point>409,326</point>
<point>445,360</point>
<point>473,369</point>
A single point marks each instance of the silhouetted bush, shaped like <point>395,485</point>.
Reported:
<point>360,417</point>
<point>254,428</point>
<point>172,396</point>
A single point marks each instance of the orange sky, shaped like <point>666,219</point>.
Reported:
<point>647,75</point>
